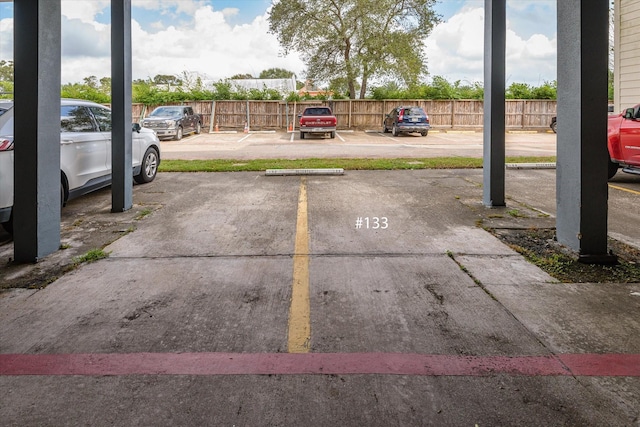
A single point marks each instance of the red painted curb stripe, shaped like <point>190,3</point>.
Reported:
<point>318,363</point>
<point>596,365</point>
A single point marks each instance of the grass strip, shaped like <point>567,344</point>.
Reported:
<point>219,165</point>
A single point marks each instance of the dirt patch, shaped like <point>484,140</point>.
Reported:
<point>87,225</point>
<point>532,233</point>
<point>540,247</point>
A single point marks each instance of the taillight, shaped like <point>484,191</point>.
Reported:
<point>6,144</point>
<point>401,115</point>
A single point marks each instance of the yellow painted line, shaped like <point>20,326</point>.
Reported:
<point>628,190</point>
<point>300,311</point>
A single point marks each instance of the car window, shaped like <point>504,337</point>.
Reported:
<point>166,112</point>
<point>103,117</point>
<point>317,112</point>
<point>414,112</point>
<point>76,118</point>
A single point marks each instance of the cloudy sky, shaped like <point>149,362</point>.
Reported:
<point>220,38</point>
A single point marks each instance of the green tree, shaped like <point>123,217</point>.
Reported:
<point>241,77</point>
<point>356,39</point>
<point>519,91</point>
<point>276,73</point>
<point>6,71</point>
<point>549,90</point>
<point>167,80</point>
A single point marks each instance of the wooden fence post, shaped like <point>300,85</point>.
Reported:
<point>213,116</point>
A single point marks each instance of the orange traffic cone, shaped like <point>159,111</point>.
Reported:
<point>246,127</point>
<point>290,127</point>
<point>217,128</point>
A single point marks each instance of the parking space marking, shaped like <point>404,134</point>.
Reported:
<point>299,335</point>
<point>245,137</point>
<point>341,138</point>
<point>388,137</point>
<point>628,190</point>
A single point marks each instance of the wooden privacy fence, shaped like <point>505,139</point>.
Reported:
<point>361,114</point>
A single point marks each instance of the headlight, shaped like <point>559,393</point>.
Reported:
<point>170,123</point>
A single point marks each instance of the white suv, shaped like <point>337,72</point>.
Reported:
<point>85,152</point>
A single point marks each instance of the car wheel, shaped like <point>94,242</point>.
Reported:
<point>149,167</point>
<point>424,133</point>
<point>301,135</point>
<point>198,128</point>
<point>332,134</point>
<point>8,226</point>
<point>63,200</point>
<point>178,136</point>
<point>613,168</point>
<point>394,130</point>
<point>554,127</point>
<point>384,128</point>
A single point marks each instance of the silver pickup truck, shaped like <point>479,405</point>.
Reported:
<point>173,121</point>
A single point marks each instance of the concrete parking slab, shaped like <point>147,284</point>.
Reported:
<point>421,318</point>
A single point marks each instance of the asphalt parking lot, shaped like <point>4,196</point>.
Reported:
<point>352,144</point>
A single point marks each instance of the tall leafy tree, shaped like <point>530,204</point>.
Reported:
<point>357,40</point>
<point>275,73</point>
<point>6,71</point>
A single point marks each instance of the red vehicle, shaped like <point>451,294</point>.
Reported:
<point>624,141</point>
<point>318,120</point>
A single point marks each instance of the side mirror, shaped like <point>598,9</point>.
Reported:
<point>136,127</point>
<point>629,113</point>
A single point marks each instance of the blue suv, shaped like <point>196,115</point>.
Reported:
<point>406,120</point>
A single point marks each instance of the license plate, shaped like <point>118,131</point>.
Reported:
<point>414,119</point>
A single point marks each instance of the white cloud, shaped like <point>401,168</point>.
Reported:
<point>83,10</point>
<point>210,46</point>
<point>190,35</point>
<point>6,39</point>
<point>455,50</point>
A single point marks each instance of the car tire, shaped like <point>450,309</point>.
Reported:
<point>424,133</point>
<point>332,134</point>
<point>198,128</point>
<point>178,136</point>
<point>8,226</point>
<point>394,131</point>
<point>301,135</point>
<point>613,168</point>
<point>384,128</point>
<point>63,192</point>
<point>554,127</point>
<point>149,166</point>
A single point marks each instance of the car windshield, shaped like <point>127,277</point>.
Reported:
<point>166,112</point>
<point>4,107</point>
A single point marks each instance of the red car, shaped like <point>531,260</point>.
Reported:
<point>624,141</point>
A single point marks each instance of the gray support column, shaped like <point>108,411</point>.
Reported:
<point>122,179</point>
<point>495,35</point>
<point>36,209</point>
<point>581,181</point>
